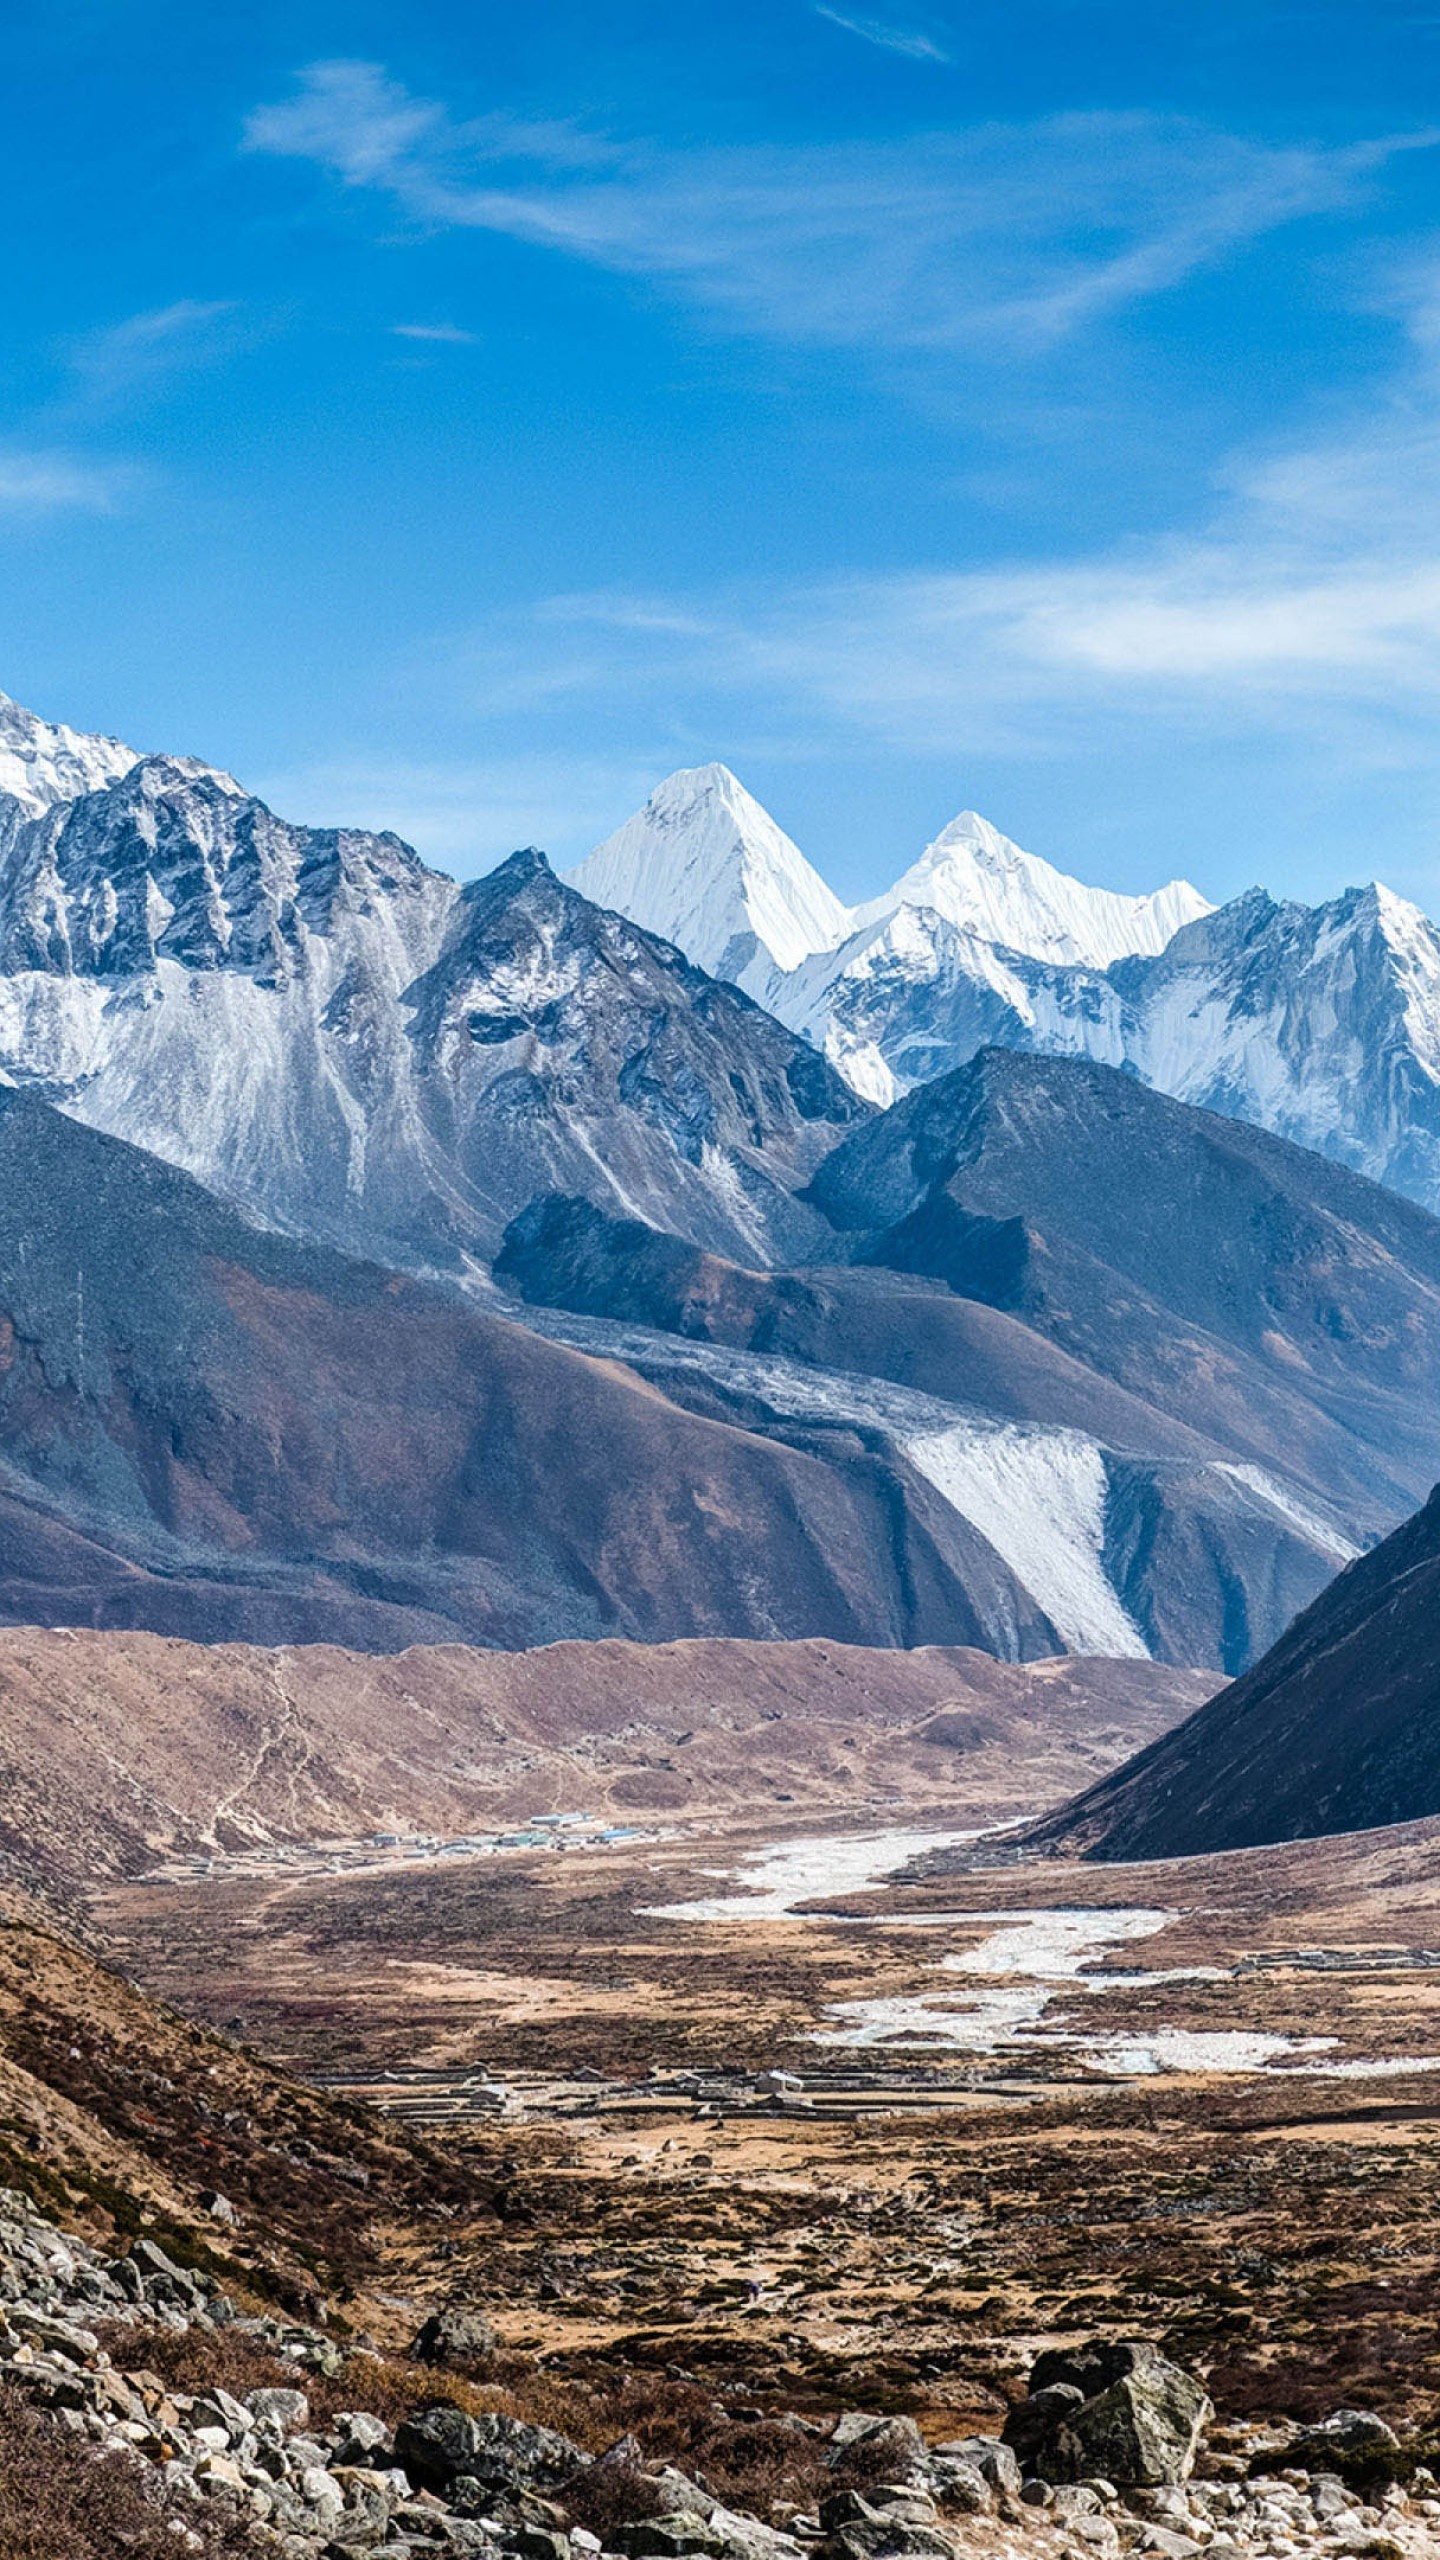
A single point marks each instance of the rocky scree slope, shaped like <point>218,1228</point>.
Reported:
<point>1337,1728</point>
<point>283,2455</point>
<point>354,1047</point>
<point>214,1431</point>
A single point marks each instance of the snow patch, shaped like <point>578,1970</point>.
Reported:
<point>1039,1497</point>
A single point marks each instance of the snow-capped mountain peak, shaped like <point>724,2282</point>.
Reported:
<point>42,762</point>
<point>703,864</point>
<point>977,879</point>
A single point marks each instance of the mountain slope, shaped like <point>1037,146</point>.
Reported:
<point>1134,1534</point>
<point>1322,1023</point>
<point>314,1023</point>
<point>1172,1368</point>
<point>1336,1729</point>
<point>212,1431</point>
<point>123,1749</point>
<point>703,864</point>
<point>1278,1304</point>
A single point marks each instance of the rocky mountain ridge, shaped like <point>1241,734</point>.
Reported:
<point>353,1046</point>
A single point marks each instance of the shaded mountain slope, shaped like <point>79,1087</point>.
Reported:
<point>122,2118</point>
<point>1175,1369</point>
<point>1337,1729</point>
<point>566,1252</point>
<point>209,1429</point>
<point>1282,1306</point>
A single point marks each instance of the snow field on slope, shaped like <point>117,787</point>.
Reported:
<point>1312,1525</point>
<point>1036,1492</point>
<point>1039,1497</point>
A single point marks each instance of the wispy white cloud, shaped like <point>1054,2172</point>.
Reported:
<point>1307,604</point>
<point>46,484</point>
<point>151,345</point>
<point>434,333</point>
<point>905,40</point>
<point>1013,235</point>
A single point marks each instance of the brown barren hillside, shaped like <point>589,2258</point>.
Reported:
<point>119,1747</point>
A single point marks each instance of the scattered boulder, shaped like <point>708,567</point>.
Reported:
<point>962,2485</point>
<point>864,2446</point>
<point>1114,2409</point>
<point>437,2445</point>
<point>456,2338</point>
<point>1355,2445</point>
<point>989,2455</point>
<point>1029,2428</point>
<point>279,2408</point>
<point>669,2537</point>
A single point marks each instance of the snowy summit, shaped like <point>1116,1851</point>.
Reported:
<point>703,864</point>
<point>977,879</point>
<point>42,762</point>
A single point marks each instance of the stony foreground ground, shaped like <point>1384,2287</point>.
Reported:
<point>295,2462</point>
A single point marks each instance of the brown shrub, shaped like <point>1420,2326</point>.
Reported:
<point>611,2494</point>
<point>748,2463</point>
<point>60,2500</point>
<point>197,2359</point>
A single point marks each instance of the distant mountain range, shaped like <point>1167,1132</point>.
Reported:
<point>1321,1023</point>
<point>1033,1359</point>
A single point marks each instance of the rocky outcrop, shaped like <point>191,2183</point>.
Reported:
<point>457,2336</point>
<point>1114,2410</point>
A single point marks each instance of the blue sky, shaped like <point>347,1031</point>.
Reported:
<point>456,418</point>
